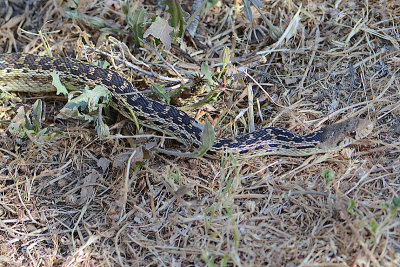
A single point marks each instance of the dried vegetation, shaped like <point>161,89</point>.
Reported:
<point>75,199</point>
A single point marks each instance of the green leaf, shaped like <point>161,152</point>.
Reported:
<point>58,84</point>
<point>226,259</point>
<point>211,3</point>
<point>226,57</point>
<point>135,21</point>
<point>17,125</point>
<point>373,226</point>
<point>125,6</point>
<point>78,102</point>
<point>247,10</point>
<point>94,22</point>
<point>351,206</point>
<point>22,125</point>
<point>206,71</point>
<point>102,129</point>
<point>37,115</point>
<point>176,20</point>
<point>396,202</point>
<point>225,60</point>
<point>207,139</point>
<point>328,175</point>
<point>88,100</point>
<point>161,30</point>
<point>94,96</point>
<point>49,136</point>
<point>101,63</point>
<point>205,257</point>
<point>160,91</point>
<point>395,206</point>
<point>236,237</point>
<point>210,97</point>
<point>66,113</point>
<point>8,96</point>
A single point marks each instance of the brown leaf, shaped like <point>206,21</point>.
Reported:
<point>88,188</point>
<point>160,29</point>
<point>103,163</point>
<point>121,159</point>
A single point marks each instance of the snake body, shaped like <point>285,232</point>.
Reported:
<point>30,73</point>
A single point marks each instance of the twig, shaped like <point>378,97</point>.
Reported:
<point>265,92</point>
<point>161,57</point>
<point>151,74</point>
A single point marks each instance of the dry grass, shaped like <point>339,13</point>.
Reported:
<point>77,200</point>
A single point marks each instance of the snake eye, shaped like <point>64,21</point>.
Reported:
<point>352,134</point>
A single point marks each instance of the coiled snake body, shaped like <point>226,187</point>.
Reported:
<point>31,73</point>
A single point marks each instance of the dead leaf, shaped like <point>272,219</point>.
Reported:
<point>88,186</point>
<point>160,29</point>
<point>103,163</point>
<point>121,159</point>
<point>290,81</point>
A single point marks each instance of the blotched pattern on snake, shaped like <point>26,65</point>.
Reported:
<point>31,73</point>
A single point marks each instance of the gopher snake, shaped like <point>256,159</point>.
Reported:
<point>31,73</point>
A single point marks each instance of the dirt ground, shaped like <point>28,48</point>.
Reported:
<point>69,197</point>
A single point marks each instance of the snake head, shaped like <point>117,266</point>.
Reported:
<point>339,135</point>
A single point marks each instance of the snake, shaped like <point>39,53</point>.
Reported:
<point>23,72</point>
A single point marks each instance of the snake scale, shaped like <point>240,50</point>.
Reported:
<point>30,73</point>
